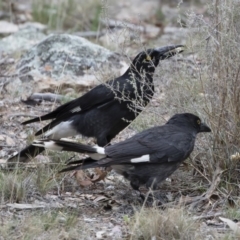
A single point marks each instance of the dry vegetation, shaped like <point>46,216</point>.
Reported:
<point>211,90</point>
<point>73,15</point>
<point>172,223</point>
<point>206,81</point>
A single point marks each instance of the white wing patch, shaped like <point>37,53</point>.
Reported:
<point>76,109</point>
<point>99,150</point>
<point>47,144</point>
<point>144,158</point>
<point>63,129</point>
<point>96,156</point>
<point>100,153</point>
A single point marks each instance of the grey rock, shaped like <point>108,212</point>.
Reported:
<point>62,55</point>
<point>66,60</point>
<point>7,28</point>
<point>21,40</point>
<point>62,220</point>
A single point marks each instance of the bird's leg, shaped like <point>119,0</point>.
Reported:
<point>156,199</point>
<point>142,196</point>
<point>149,196</point>
<point>149,199</point>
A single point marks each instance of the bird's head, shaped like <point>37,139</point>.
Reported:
<point>149,59</point>
<point>189,120</point>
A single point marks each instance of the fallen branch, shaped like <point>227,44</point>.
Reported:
<point>26,206</point>
<point>51,97</point>
<point>215,182</point>
<point>208,216</point>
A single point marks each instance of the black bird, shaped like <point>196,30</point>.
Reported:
<point>146,158</point>
<point>105,110</point>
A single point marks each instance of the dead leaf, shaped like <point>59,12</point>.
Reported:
<point>100,234</point>
<point>99,198</point>
<point>232,225</point>
<point>9,141</point>
<point>100,175</point>
<point>82,179</point>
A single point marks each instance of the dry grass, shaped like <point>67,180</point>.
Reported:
<point>234,211</point>
<point>208,84</point>
<point>36,178</point>
<point>171,223</point>
<point>73,15</point>
<point>44,224</point>
<point>13,187</point>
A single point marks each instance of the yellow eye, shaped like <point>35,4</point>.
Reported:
<point>198,122</point>
<point>148,58</point>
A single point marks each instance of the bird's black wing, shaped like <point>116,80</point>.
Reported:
<point>100,95</point>
<point>158,145</point>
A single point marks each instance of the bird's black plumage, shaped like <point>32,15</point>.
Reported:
<point>148,157</point>
<point>108,108</point>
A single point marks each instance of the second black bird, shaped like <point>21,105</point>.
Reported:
<point>147,158</point>
<point>105,110</point>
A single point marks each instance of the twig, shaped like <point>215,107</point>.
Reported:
<point>216,180</point>
<point>208,216</point>
<point>204,176</point>
<point>22,115</point>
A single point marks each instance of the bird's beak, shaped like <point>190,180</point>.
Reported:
<point>205,128</point>
<point>169,51</point>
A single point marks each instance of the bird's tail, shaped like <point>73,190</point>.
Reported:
<point>24,155</point>
<point>95,152</point>
<point>81,165</point>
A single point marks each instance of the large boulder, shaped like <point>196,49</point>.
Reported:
<point>24,37</point>
<point>67,61</point>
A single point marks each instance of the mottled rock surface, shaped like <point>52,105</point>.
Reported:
<point>63,60</point>
<point>62,55</point>
<point>20,41</point>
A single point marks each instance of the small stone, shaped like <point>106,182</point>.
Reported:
<point>2,137</point>
<point>7,28</point>
<point>100,234</point>
<point>9,141</point>
<point>62,219</point>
